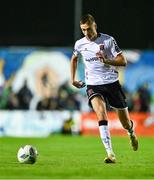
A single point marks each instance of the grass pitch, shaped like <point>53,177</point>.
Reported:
<point>77,157</point>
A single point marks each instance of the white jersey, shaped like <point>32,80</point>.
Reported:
<point>97,73</point>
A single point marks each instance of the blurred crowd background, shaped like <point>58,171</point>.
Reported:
<point>39,79</point>
<point>67,99</point>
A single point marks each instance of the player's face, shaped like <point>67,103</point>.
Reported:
<point>89,31</point>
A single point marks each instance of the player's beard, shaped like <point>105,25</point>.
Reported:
<point>91,37</point>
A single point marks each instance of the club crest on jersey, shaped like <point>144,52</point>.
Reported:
<point>101,46</point>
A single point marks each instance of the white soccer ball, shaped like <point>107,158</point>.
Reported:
<point>27,154</point>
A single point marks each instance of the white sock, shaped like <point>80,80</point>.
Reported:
<point>105,137</point>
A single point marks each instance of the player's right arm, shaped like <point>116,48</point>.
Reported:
<point>76,83</point>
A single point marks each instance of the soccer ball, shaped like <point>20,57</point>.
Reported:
<point>27,154</point>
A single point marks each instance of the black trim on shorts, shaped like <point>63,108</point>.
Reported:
<point>111,93</point>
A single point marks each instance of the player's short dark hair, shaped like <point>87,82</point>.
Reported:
<point>87,19</point>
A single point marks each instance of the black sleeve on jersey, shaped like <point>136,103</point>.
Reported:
<point>116,46</point>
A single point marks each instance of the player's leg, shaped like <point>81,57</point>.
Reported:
<point>117,99</point>
<point>128,125</point>
<point>99,107</point>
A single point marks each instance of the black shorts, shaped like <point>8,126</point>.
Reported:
<point>112,94</point>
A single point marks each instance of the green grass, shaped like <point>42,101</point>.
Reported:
<point>77,157</point>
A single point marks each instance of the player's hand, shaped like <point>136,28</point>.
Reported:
<point>101,56</point>
<point>78,84</point>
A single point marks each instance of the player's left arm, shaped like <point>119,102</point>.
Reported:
<point>119,60</point>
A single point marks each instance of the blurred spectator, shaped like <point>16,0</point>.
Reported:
<point>145,98</point>
<point>67,126</point>
<point>13,102</point>
<point>43,104</point>
<point>6,90</point>
<point>48,104</point>
<point>2,78</point>
<point>68,98</point>
<point>54,103</point>
<point>72,103</point>
<point>24,95</point>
